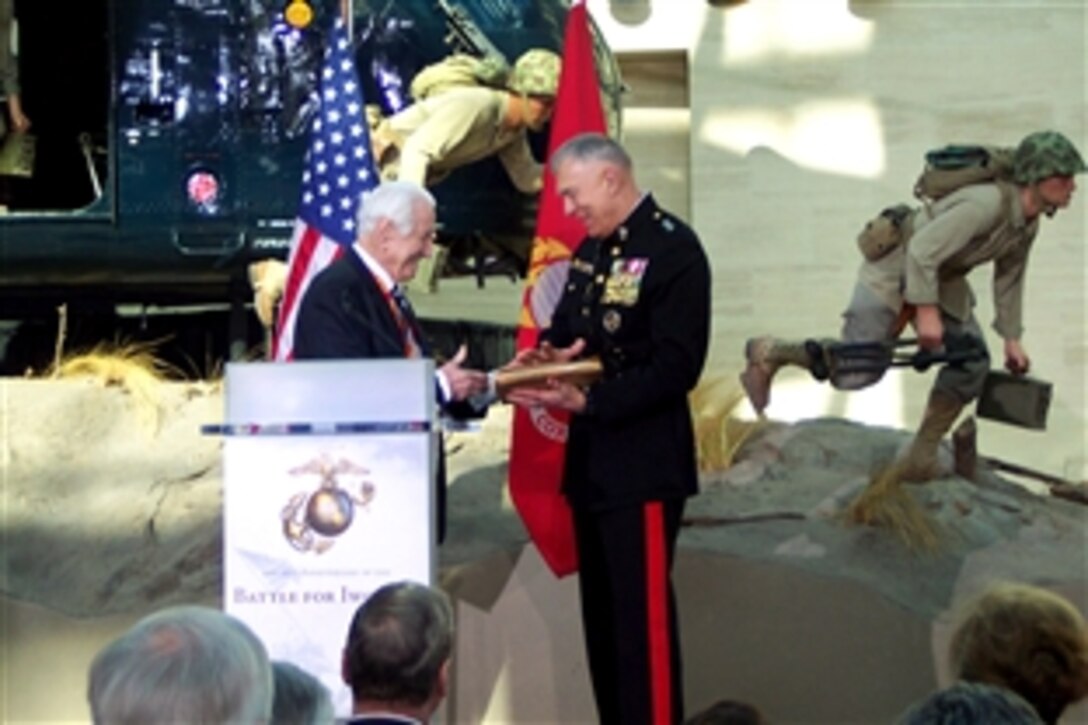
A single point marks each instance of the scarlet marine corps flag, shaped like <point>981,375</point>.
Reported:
<point>539,435</point>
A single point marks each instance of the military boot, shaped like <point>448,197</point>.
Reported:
<point>765,356</point>
<point>920,461</point>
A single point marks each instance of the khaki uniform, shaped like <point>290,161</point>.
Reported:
<point>429,139</point>
<point>971,226</point>
<point>9,69</point>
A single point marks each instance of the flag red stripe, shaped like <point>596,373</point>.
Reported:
<point>300,265</point>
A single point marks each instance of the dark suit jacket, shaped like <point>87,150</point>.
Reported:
<point>345,314</point>
<point>641,300</point>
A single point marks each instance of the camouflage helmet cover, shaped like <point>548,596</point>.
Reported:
<point>536,73</point>
<point>1044,154</point>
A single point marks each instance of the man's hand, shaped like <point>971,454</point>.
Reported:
<point>1017,361</point>
<point>463,383</point>
<point>928,325</point>
<point>555,394</point>
<point>545,354</point>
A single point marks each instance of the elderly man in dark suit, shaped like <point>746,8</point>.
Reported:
<point>356,308</point>
<point>638,296</point>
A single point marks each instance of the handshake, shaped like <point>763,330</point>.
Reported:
<point>544,376</point>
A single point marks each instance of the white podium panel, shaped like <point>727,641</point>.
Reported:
<point>328,495</point>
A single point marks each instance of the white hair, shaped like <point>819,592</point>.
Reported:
<point>392,200</point>
<point>591,147</point>
<point>182,664</point>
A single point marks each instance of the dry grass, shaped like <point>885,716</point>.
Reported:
<point>719,434</point>
<point>132,367</point>
<point>886,503</point>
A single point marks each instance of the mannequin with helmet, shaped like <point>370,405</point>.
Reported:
<point>1044,165</point>
<point>458,118</point>
<point>922,280</point>
<point>464,123</point>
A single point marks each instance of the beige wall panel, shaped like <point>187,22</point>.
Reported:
<point>808,116</point>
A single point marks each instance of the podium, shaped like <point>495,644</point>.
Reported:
<point>328,493</point>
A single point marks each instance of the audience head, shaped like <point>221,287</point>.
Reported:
<point>595,178</point>
<point>300,698</point>
<point>728,712</point>
<point>1025,639</point>
<point>398,650</point>
<point>182,664</point>
<point>972,703</point>
<point>396,226</point>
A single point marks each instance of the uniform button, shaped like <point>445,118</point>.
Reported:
<point>615,251</point>
<point>570,287</point>
<point>585,312</point>
<point>600,279</point>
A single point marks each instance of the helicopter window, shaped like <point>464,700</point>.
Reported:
<point>63,68</point>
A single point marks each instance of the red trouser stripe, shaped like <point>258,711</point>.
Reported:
<point>657,610</point>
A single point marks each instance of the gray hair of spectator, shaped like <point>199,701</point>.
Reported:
<point>399,640</point>
<point>392,200</point>
<point>182,664</point>
<point>300,698</point>
<point>971,703</point>
<point>1026,639</point>
<point>590,147</point>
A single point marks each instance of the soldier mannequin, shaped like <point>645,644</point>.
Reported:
<point>453,127</point>
<point>463,124</point>
<point>925,281</point>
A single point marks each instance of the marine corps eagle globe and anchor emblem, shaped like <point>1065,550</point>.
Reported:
<point>313,519</point>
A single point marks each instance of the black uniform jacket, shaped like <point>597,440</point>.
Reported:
<point>641,300</point>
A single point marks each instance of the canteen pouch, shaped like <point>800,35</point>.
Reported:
<point>885,232</point>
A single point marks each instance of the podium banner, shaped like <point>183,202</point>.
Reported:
<point>328,495</point>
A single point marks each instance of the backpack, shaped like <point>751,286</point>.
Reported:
<point>952,167</point>
<point>946,169</point>
<point>460,69</point>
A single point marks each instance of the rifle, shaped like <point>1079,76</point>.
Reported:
<point>842,358</point>
<point>463,35</point>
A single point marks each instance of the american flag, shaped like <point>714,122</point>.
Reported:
<point>339,168</point>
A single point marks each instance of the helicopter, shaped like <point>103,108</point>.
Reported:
<point>171,134</point>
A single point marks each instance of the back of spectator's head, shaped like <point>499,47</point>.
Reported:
<point>300,698</point>
<point>972,703</point>
<point>182,664</point>
<point>728,712</point>
<point>1028,640</point>
<point>399,646</point>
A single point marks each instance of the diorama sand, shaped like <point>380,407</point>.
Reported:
<point>111,507</point>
